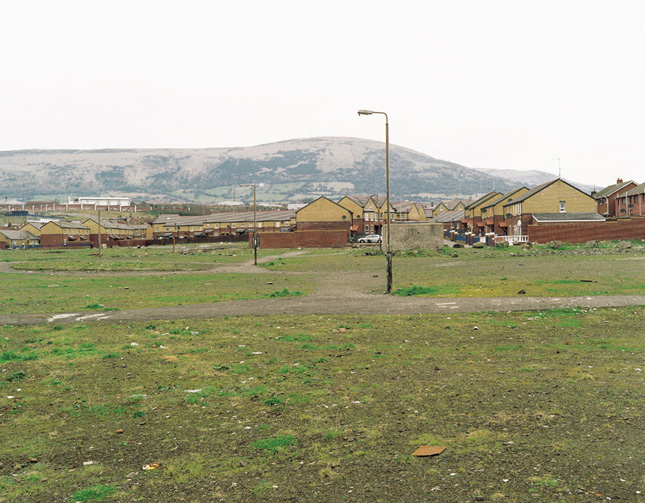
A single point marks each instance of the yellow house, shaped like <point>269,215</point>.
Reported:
<point>116,229</point>
<point>32,227</point>
<point>57,234</point>
<point>556,196</point>
<point>11,239</point>
<point>492,212</point>
<point>323,213</point>
<point>473,214</point>
<point>410,212</point>
<point>356,204</point>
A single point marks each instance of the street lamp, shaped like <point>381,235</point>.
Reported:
<point>255,221</point>
<point>387,197</point>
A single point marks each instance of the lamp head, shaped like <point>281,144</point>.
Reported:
<point>365,112</point>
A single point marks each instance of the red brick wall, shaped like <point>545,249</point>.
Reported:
<point>305,239</point>
<point>51,240</point>
<point>580,232</point>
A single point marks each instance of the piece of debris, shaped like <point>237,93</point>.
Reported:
<point>151,466</point>
<point>119,431</point>
<point>428,450</point>
<point>88,463</point>
<point>588,281</point>
<point>193,390</point>
<point>521,292</point>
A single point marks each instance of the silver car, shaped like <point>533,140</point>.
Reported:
<point>370,238</point>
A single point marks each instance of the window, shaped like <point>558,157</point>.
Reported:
<point>563,206</point>
<point>232,226</point>
<point>259,225</point>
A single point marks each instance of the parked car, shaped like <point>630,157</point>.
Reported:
<point>370,238</point>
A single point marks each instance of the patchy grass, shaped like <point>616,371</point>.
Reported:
<point>291,407</point>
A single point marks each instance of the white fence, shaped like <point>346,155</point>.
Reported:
<point>513,239</point>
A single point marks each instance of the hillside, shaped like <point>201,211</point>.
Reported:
<point>293,170</point>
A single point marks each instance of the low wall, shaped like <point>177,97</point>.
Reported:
<point>304,239</point>
<point>415,236</point>
<point>580,232</point>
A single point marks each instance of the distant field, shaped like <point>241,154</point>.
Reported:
<point>532,407</point>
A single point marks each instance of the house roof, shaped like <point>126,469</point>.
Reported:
<point>448,216</point>
<point>19,235</point>
<point>611,189</point>
<point>501,198</point>
<point>639,189</point>
<point>451,205</point>
<point>481,200</point>
<point>568,217</point>
<point>37,225</point>
<point>363,200</point>
<point>404,206</point>
<point>69,225</point>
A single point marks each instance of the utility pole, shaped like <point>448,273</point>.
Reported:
<point>100,244</point>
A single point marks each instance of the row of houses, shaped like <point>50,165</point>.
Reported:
<point>509,216</point>
<point>494,216</point>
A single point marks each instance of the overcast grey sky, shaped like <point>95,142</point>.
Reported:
<point>489,84</point>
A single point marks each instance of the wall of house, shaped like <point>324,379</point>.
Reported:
<point>324,226</point>
<point>357,211</point>
<point>581,232</point>
<point>323,210</point>
<point>415,236</point>
<point>304,239</point>
<point>548,200</point>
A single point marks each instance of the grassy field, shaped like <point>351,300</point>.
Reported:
<point>541,406</point>
<point>77,280</point>
<point>73,280</point>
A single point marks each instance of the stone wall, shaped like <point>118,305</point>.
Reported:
<point>412,236</point>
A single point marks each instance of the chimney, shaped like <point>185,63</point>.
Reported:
<point>620,180</point>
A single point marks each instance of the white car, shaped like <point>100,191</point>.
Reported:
<point>371,238</point>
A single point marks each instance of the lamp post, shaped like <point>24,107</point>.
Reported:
<point>387,197</point>
<point>255,222</point>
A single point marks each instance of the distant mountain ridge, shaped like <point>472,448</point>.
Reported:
<point>291,170</point>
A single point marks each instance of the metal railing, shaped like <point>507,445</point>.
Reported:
<point>513,239</point>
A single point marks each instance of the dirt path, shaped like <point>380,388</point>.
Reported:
<point>348,293</point>
<point>337,302</point>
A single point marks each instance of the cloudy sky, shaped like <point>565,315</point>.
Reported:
<point>487,84</point>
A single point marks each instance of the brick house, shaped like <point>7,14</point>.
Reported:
<point>472,221</point>
<point>492,212</point>
<point>631,202</point>
<point>606,198</point>
<point>59,234</point>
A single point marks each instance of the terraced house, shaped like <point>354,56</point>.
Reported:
<point>472,221</point>
<point>64,234</point>
<point>631,202</point>
<point>554,200</point>
<point>222,224</point>
<point>492,212</point>
<point>369,213</point>
<point>606,199</point>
